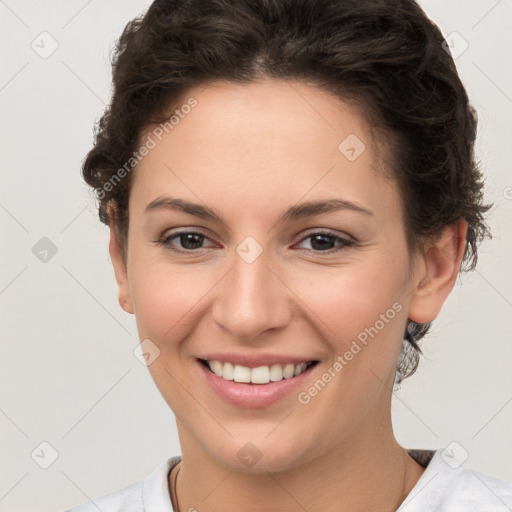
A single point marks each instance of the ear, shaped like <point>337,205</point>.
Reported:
<point>436,270</point>
<point>120,271</point>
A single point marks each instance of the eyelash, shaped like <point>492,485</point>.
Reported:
<point>164,241</point>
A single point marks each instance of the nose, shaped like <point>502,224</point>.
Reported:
<point>251,300</point>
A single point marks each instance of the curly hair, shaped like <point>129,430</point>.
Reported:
<point>386,55</point>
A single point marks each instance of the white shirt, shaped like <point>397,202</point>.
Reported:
<point>444,486</point>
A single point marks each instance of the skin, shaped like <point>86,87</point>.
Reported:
<point>249,152</point>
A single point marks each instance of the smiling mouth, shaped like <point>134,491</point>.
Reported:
<point>260,375</point>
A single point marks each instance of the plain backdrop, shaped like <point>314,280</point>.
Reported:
<point>73,396</point>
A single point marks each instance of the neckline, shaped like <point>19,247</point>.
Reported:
<point>422,456</point>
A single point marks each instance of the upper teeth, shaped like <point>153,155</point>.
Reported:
<point>259,375</point>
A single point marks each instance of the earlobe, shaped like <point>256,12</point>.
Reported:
<point>120,271</point>
<point>439,267</point>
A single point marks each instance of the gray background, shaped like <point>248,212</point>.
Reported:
<point>68,374</point>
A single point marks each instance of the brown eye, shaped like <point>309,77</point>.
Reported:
<point>325,241</point>
<point>187,241</point>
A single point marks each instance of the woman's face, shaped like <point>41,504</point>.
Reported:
<point>267,277</point>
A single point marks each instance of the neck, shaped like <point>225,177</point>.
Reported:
<point>368,471</point>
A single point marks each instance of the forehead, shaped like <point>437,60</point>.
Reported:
<point>268,142</point>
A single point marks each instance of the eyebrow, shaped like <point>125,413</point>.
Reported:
<point>299,211</point>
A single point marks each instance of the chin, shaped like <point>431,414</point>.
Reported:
<point>260,455</point>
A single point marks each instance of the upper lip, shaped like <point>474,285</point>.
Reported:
<point>255,360</point>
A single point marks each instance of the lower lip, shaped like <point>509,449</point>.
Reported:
<point>253,395</point>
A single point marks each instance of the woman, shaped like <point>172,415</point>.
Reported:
<point>291,192</point>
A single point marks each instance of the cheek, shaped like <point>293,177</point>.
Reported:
<point>164,297</point>
<point>347,300</point>
<point>361,313</point>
